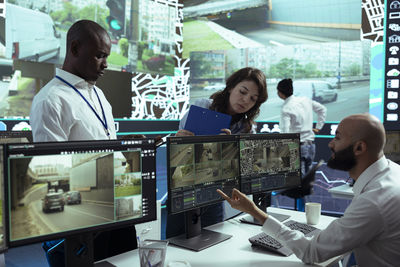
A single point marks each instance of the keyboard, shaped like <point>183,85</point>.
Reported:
<point>267,242</point>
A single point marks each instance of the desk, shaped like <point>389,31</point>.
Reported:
<point>234,252</point>
<point>342,191</point>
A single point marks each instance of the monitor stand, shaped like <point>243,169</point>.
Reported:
<point>2,260</point>
<point>79,252</point>
<point>263,200</point>
<point>195,237</point>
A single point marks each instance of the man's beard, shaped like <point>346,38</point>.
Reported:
<point>343,160</point>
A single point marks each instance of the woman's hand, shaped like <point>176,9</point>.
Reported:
<point>183,132</point>
<point>226,131</point>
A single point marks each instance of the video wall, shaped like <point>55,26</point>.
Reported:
<point>335,50</point>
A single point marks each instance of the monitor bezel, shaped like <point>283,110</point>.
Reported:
<point>3,248</point>
<point>206,138</point>
<point>92,145</point>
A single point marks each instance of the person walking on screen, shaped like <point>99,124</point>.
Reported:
<point>297,117</point>
<point>70,108</point>
<point>370,226</point>
<point>245,91</point>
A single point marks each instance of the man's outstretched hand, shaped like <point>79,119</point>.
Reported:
<point>241,202</point>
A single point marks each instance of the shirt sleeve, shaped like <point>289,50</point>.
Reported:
<point>360,224</point>
<point>321,114</point>
<point>284,124</point>
<point>46,123</point>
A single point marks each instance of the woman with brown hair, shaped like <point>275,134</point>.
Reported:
<point>245,91</point>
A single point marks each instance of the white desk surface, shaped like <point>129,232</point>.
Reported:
<point>342,191</point>
<point>236,251</point>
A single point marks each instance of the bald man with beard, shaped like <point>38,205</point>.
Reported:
<point>370,226</point>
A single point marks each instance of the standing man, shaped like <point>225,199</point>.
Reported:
<point>370,226</point>
<point>297,117</point>
<point>70,108</point>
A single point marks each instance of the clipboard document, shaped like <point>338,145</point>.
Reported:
<point>202,121</point>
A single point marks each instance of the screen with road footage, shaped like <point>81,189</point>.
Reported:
<point>323,47</point>
<point>56,189</point>
<point>197,167</point>
<point>269,162</point>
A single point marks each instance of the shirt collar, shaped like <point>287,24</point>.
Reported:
<point>368,174</point>
<point>74,79</point>
<point>288,98</point>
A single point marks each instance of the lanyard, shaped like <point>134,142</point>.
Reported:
<point>104,123</point>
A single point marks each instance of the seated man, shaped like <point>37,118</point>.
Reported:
<point>370,225</point>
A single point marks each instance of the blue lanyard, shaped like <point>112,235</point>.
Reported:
<point>104,123</point>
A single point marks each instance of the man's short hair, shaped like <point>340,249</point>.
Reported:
<point>286,87</point>
<point>84,30</point>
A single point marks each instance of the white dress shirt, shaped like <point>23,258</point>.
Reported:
<point>297,117</point>
<point>370,225</point>
<point>59,113</point>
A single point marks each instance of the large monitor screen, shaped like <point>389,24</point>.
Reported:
<point>319,45</point>
<point>269,162</point>
<point>142,32</point>
<point>59,189</point>
<point>197,167</point>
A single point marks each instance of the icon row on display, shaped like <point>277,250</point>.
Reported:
<point>392,117</point>
<point>393,43</point>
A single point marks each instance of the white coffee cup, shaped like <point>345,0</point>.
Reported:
<point>313,212</point>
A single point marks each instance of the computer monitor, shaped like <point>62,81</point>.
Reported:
<point>197,166</point>
<point>7,137</point>
<point>70,189</point>
<point>15,136</point>
<point>392,146</point>
<point>268,162</point>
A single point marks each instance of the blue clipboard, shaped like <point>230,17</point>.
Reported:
<point>202,121</point>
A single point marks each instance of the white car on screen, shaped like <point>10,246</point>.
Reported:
<point>320,91</point>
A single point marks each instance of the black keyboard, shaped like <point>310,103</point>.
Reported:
<point>269,243</point>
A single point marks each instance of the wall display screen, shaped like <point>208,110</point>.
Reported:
<point>323,55</point>
<point>145,38</point>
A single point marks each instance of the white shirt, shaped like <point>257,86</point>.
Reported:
<point>297,117</point>
<point>370,225</point>
<point>59,113</point>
